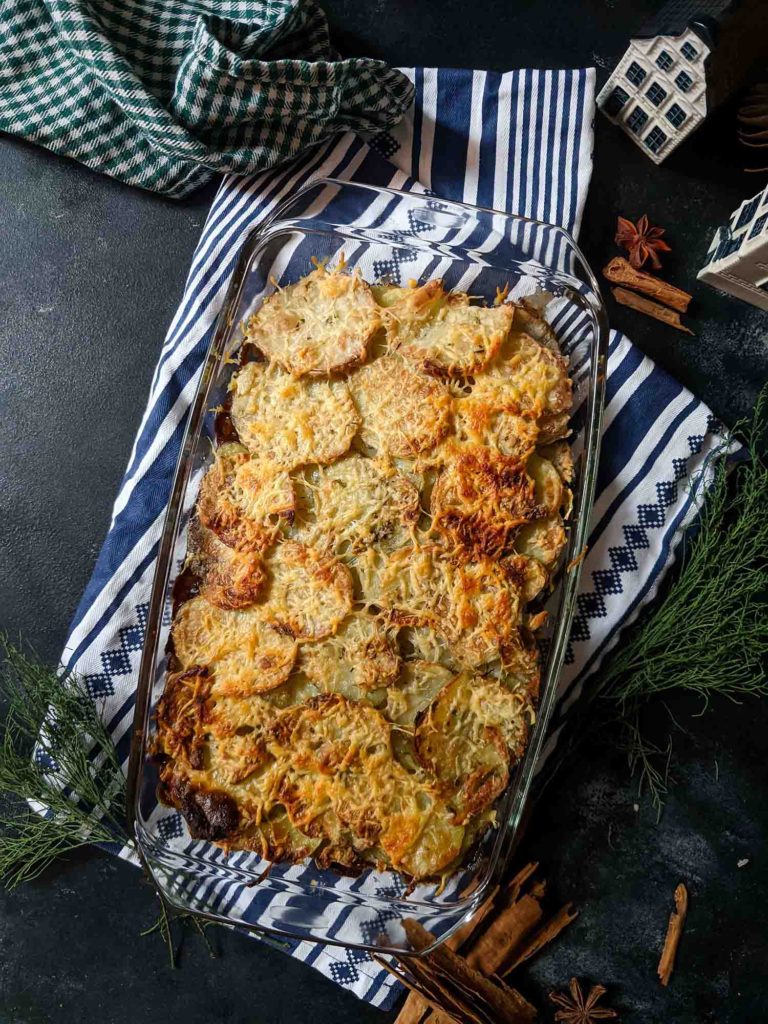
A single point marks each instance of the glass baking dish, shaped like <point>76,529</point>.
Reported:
<point>396,237</point>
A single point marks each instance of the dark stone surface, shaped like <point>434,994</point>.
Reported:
<point>90,275</point>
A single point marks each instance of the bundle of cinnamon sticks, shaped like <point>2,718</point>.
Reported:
<point>647,294</point>
<point>463,980</point>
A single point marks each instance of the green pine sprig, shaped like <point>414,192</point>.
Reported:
<point>709,633</point>
<point>52,715</point>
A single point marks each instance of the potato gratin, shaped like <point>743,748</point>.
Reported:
<point>353,669</point>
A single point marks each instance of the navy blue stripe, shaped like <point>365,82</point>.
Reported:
<point>417,119</point>
<point>487,163</point>
<point>449,147</point>
<point>522,157</point>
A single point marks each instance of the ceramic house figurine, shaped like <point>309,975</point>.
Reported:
<point>683,64</point>
<point>737,261</point>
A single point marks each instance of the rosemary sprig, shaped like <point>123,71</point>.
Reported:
<point>53,717</point>
<point>709,633</point>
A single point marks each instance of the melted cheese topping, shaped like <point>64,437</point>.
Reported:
<point>404,413</point>
<point>243,501</point>
<point>465,739</point>
<point>242,651</point>
<point>453,338</point>
<point>230,577</point>
<point>320,325</point>
<point>362,657</point>
<point>356,502</point>
<point>288,422</point>
<point>358,672</point>
<point>480,497</point>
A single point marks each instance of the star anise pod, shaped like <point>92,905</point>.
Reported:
<point>641,242</point>
<point>580,1009</point>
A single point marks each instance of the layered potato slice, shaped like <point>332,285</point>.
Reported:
<point>404,413</point>
<point>537,378</point>
<point>542,540</point>
<point>471,602</point>
<point>309,594</point>
<point>480,497</point>
<point>229,577</point>
<point>468,737</point>
<point>360,659</point>
<point>341,777</point>
<point>353,669</point>
<point>444,333</point>
<point>242,653</point>
<point>243,500</point>
<point>291,422</point>
<point>489,415</point>
<point>318,326</point>
<point>521,401</point>
<point>356,502</point>
<point>418,685</point>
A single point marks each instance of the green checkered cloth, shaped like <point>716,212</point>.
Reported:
<point>166,93</point>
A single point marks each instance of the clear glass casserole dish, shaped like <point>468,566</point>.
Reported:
<point>395,237</point>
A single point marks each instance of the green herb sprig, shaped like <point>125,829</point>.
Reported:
<point>709,633</point>
<point>54,716</point>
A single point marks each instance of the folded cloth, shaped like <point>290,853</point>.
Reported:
<point>520,141</point>
<point>166,95</point>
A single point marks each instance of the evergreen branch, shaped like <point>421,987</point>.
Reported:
<point>709,633</point>
<point>57,755</point>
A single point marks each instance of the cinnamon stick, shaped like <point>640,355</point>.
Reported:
<point>621,271</point>
<point>413,1010</point>
<point>437,1017</point>
<point>414,1007</point>
<point>505,1005</point>
<point>674,931</point>
<point>505,933</point>
<point>643,305</point>
<point>548,931</point>
<point>516,884</point>
<point>418,986</point>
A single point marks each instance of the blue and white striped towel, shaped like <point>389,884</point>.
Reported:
<point>521,142</point>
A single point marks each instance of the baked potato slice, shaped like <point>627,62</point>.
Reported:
<point>357,502</point>
<point>455,339</point>
<point>320,325</point>
<point>403,413</point>
<point>231,578</point>
<point>415,689</point>
<point>309,592</point>
<point>244,654</point>
<point>244,501</point>
<point>489,415</point>
<point>290,422</point>
<point>480,498</point>
<point>468,737</point>
<point>548,485</point>
<point>543,540</point>
<point>359,659</point>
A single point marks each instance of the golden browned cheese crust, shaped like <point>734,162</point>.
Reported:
<point>353,669</point>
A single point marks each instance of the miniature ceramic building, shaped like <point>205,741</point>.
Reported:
<point>737,261</point>
<point>684,63</point>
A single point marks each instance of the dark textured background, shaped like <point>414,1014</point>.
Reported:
<point>90,275</point>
